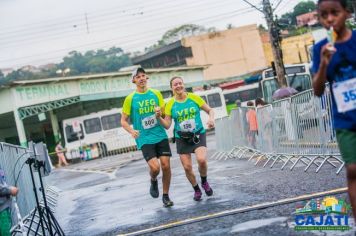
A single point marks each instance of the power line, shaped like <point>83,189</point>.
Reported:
<point>68,33</point>
<point>277,5</point>
<point>69,18</point>
<point>70,23</point>
<point>252,5</point>
<point>286,4</point>
<point>129,42</point>
<point>121,13</point>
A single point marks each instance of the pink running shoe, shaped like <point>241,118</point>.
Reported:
<point>197,195</point>
<point>207,188</point>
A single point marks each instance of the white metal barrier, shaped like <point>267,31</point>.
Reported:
<point>295,130</point>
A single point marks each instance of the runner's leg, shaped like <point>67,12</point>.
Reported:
<point>186,160</point>
<point>166,173</point>
<point>351,183</point>
<point>154,166</point>
<point>200,153</point>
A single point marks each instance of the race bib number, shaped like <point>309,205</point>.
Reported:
<point>149,122</point>
<point>345,95</point>
<point>187,125</point>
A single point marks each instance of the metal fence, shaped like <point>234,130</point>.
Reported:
<point>17,173</point>
<point>13,163</point>
<point>291,131</point>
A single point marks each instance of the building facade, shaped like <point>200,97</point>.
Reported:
<point>228,53</point>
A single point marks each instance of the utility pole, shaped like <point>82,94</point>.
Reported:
<point>86,22</point>
<point>275,43</point>
<point>353,2</point>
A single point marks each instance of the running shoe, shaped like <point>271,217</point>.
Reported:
<point>207,188</point>
<point>167,202</point>
<point>197,195</point>
<point>154,189</point>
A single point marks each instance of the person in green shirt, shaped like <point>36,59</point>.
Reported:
<point>150,136</point>
<point>5,203</point>
<point>184,108</point>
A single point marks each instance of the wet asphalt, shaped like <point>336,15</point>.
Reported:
<point>95,201</point>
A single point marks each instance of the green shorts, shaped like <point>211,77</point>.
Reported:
<point>347,143</point>
<point>5,223</point>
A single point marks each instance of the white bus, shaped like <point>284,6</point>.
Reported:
<point>215,99</point>
<point>298,77</point>
<point>101,129</point>
<point>244,93</point>
<point>98,133</point>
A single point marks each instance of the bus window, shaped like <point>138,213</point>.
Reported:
<point>269,87</point>
<point>300,82</point>
<point>230,98</point>
<point>71,135</point>
<point>111,121</point>
<point>247,95</point>
<point>92,125</point>
<point>204,98</point>
<point>214,100</point>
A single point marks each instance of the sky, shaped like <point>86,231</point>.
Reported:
<point>38,32</point>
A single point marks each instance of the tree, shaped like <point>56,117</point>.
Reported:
<point>1,75</point>
<point>262,28</point>
<point>178,33</point>
<point>289,19</point>
<point>99,61</point>
<point>229,26</point>
<point>304,7</point>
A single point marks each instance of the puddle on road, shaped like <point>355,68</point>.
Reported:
<point>254,224</point>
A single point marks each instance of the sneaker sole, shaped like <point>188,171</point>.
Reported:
<point>168,205</point>
<point>209,193</point>
<point>154,196</point>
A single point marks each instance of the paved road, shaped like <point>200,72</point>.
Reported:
<point>95,201</point>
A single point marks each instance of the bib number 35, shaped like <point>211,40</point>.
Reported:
<point>345,95</point>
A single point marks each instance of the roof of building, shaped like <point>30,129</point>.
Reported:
<point>157,52</point>
<point>103,75</point>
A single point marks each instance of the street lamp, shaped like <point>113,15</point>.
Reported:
<point>63,72</point>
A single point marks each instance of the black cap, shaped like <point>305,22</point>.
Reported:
<point>136,71</point>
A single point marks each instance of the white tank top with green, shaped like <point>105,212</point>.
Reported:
<point>186,114</point>
<point>140,108</point>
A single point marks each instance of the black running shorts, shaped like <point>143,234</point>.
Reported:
<point>186,148</point>
<point>150,151</point>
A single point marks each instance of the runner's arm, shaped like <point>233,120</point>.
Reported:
<point>211,122</point>
<point>125,124</point>
<point>319,80</point>
<point>166,122</point>
<point>320,77</point>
